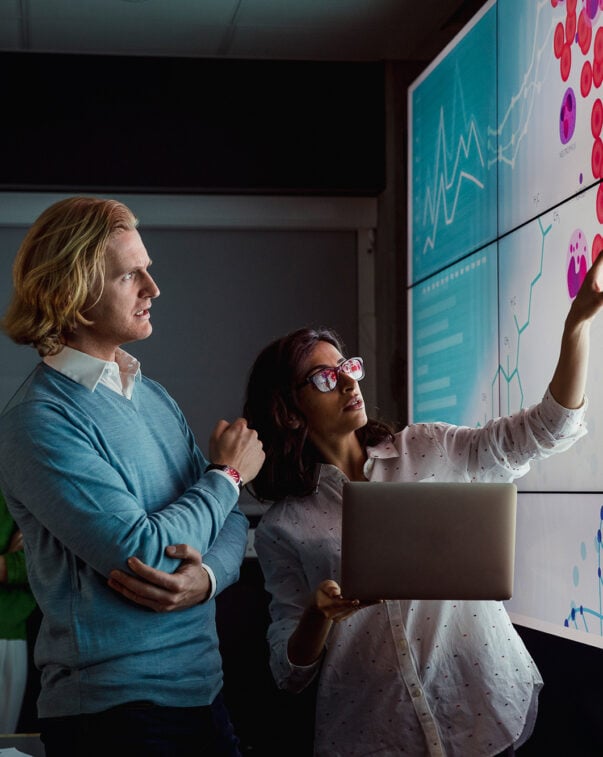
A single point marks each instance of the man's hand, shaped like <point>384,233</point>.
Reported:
<point>164,592</point>
<point>237,445</point>
<point>16,542</point>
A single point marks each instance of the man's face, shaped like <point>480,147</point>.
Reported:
<point>122,314</point>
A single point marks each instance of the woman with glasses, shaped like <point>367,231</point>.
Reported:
<point>394,677</point>
<point>397,677</point>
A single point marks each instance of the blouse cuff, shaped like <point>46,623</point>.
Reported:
<point>301,675</point>
<point>565,420</point>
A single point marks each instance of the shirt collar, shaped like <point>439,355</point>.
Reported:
<point>382,451</point>
<point>89,371</point>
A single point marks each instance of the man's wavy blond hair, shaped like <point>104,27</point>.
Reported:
<point>59,270</point>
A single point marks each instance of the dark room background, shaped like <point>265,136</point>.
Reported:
<point>330,138</point>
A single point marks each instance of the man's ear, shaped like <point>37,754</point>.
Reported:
<point>293,422</point>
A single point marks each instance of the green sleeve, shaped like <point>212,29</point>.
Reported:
<point>15,561</point>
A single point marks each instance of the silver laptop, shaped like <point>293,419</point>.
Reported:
<point>428,540</point>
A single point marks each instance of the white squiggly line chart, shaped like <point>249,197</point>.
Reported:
<point>446,179</point>
<point>525,98</point>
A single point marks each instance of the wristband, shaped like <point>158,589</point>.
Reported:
<point>230,471</point>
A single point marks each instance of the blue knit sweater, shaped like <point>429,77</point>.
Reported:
<point>92,478</point>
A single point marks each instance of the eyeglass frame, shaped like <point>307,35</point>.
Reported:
<point>336,370</point>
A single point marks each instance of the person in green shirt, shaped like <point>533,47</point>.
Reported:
<point>16,605</point>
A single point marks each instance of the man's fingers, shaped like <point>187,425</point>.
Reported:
<point>219,429</point>
<point>184,552</point>
<point>122,589</point>
<point>157,577</point>
<point>147,595</point>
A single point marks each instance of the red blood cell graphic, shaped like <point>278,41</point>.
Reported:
<point>579,29</point>
<point>585,31</point>
<point>597,158</point>
<point>599,43</point>
<point>566,61</point>
<point>576,262</point>
<point>600,203</point>
<point>596,118</point>
<point>559,40</point>
<point>586,78</point>
<point>570,27</point>
<point>597,246</point>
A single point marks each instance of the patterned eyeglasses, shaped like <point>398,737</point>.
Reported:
<point>325,380</point>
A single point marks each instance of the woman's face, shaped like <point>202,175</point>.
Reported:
<point>330,415</point>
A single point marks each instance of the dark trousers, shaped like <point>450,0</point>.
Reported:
<point>141,729</point>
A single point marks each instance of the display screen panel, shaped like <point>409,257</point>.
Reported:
<point>454,337</point>
<point>548,131</point>
<point>453,180</point>
<point>558,565</point>
<point>541,266</point>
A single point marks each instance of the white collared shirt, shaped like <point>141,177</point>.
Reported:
<point>118,375</point>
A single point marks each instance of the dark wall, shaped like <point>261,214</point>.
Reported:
<point>191,125</point>
<point>571,702</point>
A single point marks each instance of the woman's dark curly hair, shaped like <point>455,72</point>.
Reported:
<point>271,403</point>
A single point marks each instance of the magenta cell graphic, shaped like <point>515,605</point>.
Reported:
<point>567,117</point>
<point>592,8</point>
<point>577,262</point>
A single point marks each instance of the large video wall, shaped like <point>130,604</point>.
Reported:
<point>505,218</point>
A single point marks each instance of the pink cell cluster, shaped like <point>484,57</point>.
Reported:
<point>578,29</point>
<point>567,118</point>
<point>577,262</point>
